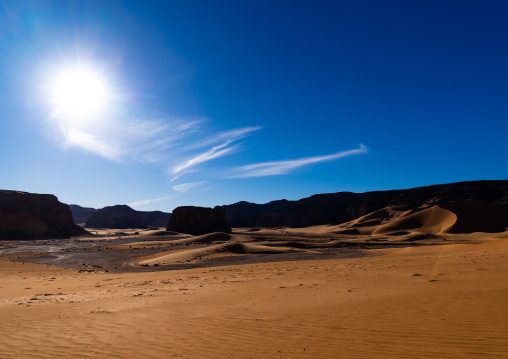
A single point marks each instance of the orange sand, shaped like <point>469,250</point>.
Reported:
<point>421,302</point>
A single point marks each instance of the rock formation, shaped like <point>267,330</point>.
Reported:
<point>337,208</point>
<point>119,217</point>
<point>32,216</point>
<point>198,220</point>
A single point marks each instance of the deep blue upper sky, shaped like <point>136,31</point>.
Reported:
<point>213,102</point>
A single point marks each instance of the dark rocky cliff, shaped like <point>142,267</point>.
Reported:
<point>198,220</point>
<point>31,216</point>
<point>336,208</point>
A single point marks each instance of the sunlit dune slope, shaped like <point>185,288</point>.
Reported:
<point>191,255</point>
<point>205,238</point>
<point>454,217</point>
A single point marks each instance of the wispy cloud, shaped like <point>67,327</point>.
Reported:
<point>165,139</point>
<point>116,126</point>
<point>151,141</point>
<point>185,187</point>
<point>223,143</point>
<point>285,167</point>
<point>214,152</point>
<point>148,201</point>
<point>119,138</point>
<point>90,142</point>
<point>231,135</point>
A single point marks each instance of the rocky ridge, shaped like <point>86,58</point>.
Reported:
<point>341,207</point>
<point>120,215</point>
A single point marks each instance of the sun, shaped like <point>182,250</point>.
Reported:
<point>79,94</point>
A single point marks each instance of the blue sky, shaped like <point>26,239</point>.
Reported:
<point>213,102</point>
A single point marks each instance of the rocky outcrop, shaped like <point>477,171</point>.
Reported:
<point>32,216</point>
<point>119,217</point>
<point>198,220</point>
<point>337,208</point>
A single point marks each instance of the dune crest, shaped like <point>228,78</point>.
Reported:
<point>431,220</point>
<point>219,250</point>
<point>455,217</point>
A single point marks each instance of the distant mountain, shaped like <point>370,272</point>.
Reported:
<point>31,216</point>
<point>330,208</point>
<point>156,218</point>
<point>341,207</point>
<point>81,214</point>
<point>119,216</point>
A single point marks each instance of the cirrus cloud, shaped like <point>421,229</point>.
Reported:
<point>185,187</point>
<point>286,167</point>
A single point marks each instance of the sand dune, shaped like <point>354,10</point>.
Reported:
<point>454,217</point>
<point>216,237</point>
<point>207,253</point>
<point>437,223</point>
<point>448,218</point>
<point>207,238</point>
<point>375,218</point>
<point>431,220</point>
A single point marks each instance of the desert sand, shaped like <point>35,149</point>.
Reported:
<point>410,286</point>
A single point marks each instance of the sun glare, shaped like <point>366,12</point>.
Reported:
<point>79,94</point>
